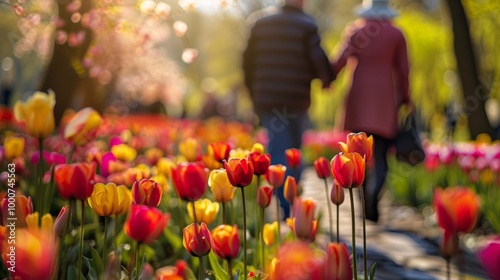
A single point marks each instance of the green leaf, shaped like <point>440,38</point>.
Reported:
<point>73,273</point>
<point>218,270</point>
<point>92,274</point>
<point>372,271</point>
<point>99,268</point>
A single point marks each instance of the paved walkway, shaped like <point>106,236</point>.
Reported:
<point>401,244</point>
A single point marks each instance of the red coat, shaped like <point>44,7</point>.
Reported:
<point>377,52</point>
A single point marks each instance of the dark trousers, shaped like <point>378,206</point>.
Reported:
<point>376,177</point>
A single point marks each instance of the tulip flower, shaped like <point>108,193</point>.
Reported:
<point>165,166</point>
<point>190,180</point>
<point>197,239</point>
<point>144,224</point>
<point>269,233</point>
<point>146,192</point>
<point>348,169</point>
<point>206,211</point>
<point>261,162</point>
<point>275,175</point>
<point>61,221</point>
<point>290,192</point>
<point>75,180</point>
<point>35,255</point>
<point>489,256</point>
<point>14,146</point>
<point>322,167</point>
<point>23,207</point>
<point>37,114</point>
<point>110,199</point>
<point>303,224</point>
<point>222,189</point>
<point>153,155</point>
<point>221,151</point>
<point>264,194</point>
<point>337,263</point>
<point>177,272</point>
<point>190,149</point>
<point>257,148</point>
<point>209,159</point>
<point>359,143</point>
<point>293,158</point>
<point>226,242</point>
<point>82,128</point>
<point>124,152</point>
<point>457,209</point>
<point>295,260</point>
<point>47,222</point>
<point>239,171</point>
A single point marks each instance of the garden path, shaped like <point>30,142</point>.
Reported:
<point>402,244</point>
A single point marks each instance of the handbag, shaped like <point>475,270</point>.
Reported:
<point>408,144</point>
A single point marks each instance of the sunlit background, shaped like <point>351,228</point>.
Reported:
<point>182,57</point>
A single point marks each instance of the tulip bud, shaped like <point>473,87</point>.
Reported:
<point>337,194</point>
<point>225,241</point>
<point>146,192</point>
<point>61,221</point>
<point>82,128</point>
<point>261,162</point>
<point>322,167</point>
<point>290,192</point>
<point>293,158</point>
<point>197,239</point>
<point>276,175</point>
<point>270,231</point>
<point>264,194</point>
<point>239,171</point>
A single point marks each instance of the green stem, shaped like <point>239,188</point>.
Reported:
<point>201,272</point>
<point>223,213</point>
<point>262,223</point>
<point>80,256</point>
<point>229,268</point>
<point>365,265</point>
<point>244,233</point>
<point>40,181</point>
<point>353,218</point>
<point>278,214</point>
<point>329,210</point>
<point>104,242</point>
<point>137,260</point>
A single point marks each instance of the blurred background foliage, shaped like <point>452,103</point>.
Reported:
<point>208,80</point>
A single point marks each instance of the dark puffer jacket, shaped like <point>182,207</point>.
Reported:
<point>282,57</point>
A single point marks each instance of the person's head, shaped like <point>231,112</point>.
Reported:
<point>296,3</point>
<point>376,9</point>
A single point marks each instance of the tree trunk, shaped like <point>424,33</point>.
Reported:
<point>474,93</point>
<point>65,73</point>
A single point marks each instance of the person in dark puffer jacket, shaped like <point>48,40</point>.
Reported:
<point>282,57</point>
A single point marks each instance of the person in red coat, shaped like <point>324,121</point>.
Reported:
<point>375,52</point>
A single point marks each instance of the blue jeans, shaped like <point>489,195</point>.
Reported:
<point>284,132</point>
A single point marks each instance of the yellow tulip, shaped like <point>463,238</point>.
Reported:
<point>47,221</point>
<point>162,181</point>
<point>221,188</point>
<point>82,127</point>
<point>124,152</point>
<point>37,113</point>
<point>206,211</point>
<point>14,146</point>
<point>239,153</point>
<point>269,232</point>
<point>190,149</point>
<point>165,166</point>
<point>110,199</point>
<point>257,147</point>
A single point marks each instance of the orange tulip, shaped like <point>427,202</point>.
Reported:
<point>276,175</point>
<point>264,194</point>
<point>348,169</point>
<point>322,167</point>
<point>303,224</point>
<point>197,239</point>
<point>261,162</point>
<point>338,262</point>
<point>295,260</point>
<point>146,192</point>
<point>293,157</point>
<point>239,171</point>
<point>34,255</point>
<point>290,192</point>
<point>75,180</point>
<point>358,143</point>
<point>221,151</point>
<point>226,242</point>
<point>177,272</point>
<point>144,224</point>
<point>209,159</point>
<point>190,180</point>
<point>457,208</point>
<point>22,206</point>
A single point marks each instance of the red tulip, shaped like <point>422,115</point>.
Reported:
<point>75,180</point>
<point>264,194</point>
<point>190,180</point>
<point>276,175</point>
<point>144,224</point>
<point>146,192</point>
<point>221,151</point>
<point>225,241</point>
<point>358,143</point>
<point>239,171</point>
<point>457,208</point>
<point>293,157</point>
<point>322,167</point>
<point>197,239</point>
<point>337,194</point>
<point>489,257</point>
<point>260,162</point>
<point>290,192</point>
<point>338,262</point>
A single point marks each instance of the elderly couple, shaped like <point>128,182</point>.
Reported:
<point>282,57</point>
